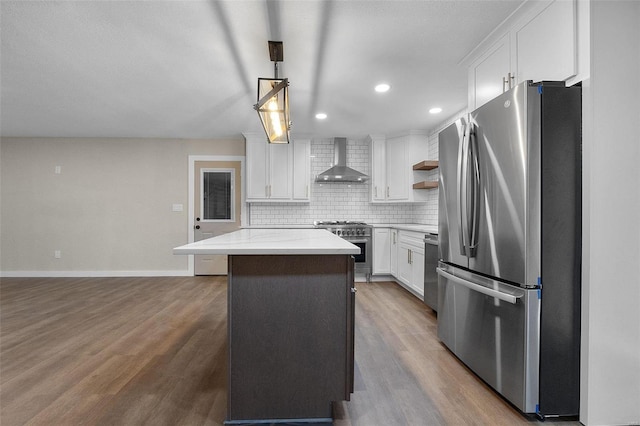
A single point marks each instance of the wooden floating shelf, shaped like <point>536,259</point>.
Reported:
<point>425,185</point>
<point>426,165</point>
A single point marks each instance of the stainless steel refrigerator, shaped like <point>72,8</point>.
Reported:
<point>510,245</point>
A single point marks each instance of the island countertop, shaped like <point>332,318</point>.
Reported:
<point>271,241</point>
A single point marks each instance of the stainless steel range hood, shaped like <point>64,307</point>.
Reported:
<point>340,172</point>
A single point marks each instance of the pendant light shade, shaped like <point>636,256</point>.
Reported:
<point>273,100</point>
<point>273,108</point>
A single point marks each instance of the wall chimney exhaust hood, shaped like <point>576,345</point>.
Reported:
<point>340,172</point>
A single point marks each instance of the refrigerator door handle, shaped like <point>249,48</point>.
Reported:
<point>475,203</point>
<point>463,166</point>
<point>479,288</point>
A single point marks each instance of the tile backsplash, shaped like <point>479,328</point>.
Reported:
<point>342,201</point>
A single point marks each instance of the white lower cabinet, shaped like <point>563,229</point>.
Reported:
<point>381,251</point>
<point>393,262</point>
<point>411,261</point>
<point>400,253</point>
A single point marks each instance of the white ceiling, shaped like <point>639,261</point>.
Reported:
<point>189,69</point>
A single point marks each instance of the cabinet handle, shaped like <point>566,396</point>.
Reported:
<point>387,192</point>
<point>307,191</point>
<point>507,82</point>
<point>410,257</point>
<point>375,191</point>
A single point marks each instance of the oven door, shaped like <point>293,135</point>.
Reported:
<point>362,260</point>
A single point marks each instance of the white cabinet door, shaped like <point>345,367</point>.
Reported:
<point>546,44</point>
<point>411,261</point>
<point>417,269</point>
<point>301,169</point>
<point>280,171</point>
<point>405,274</point>
<point>257,168</point>
<point>397,169</point>
<point>378,182</point>
<point>487,74</point>
<point>393,251</point>
<point>381,251</point>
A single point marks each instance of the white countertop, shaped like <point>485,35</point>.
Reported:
<point>271,241</point>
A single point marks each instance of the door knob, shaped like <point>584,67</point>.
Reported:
<point>197,226</point>
<point>197,219</point>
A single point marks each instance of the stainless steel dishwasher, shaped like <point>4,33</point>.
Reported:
<point>430,276</point>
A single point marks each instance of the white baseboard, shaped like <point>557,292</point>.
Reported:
<point>81,274</point>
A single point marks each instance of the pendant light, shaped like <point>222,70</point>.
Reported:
<point>273,100</point>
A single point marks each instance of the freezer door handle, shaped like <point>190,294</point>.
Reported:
<point>462,190</point>
<point>479,288</point>
<point>475,196</point>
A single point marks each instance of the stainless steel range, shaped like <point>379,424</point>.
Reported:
<point>357,233</point>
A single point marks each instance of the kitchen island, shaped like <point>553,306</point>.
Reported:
<point>290,323</point>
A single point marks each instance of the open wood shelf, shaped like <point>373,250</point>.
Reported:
<point>425,185</point>
<point>426,165</point>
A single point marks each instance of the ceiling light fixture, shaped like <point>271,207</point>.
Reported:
<point>435,110</point>
<point>382,87</point>
<point>273,100</point>
<point>321,116</point>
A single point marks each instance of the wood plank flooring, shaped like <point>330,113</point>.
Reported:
<point>152,351</point>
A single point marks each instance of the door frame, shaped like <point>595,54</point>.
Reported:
<point>191,195</point>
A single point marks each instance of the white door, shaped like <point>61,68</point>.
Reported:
<point>217,208</point>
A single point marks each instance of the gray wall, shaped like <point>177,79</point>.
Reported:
<point>110,208</point>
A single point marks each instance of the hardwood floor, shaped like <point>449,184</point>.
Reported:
<point>152,351</point>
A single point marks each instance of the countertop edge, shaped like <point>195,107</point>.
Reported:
<point>430,229</point>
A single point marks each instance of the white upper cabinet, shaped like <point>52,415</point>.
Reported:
<point>277,172</point>
<point>257,168</point>
<point>378,178</point>
<point>397,176</point>
<point>489,74</point>
<point>302,169</point>
<point>392,167</point>
<point>279,184</point>
<point>539,42</point>
<point>545,43</point>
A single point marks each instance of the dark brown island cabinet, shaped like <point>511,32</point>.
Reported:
<point>291,337</point>
<point>291,303</point>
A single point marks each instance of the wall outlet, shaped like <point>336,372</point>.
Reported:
<point>176,207</point>
<point>58,170</point>
<point>57,254</point>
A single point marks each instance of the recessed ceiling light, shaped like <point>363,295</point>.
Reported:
<point>321,116</point>
<point>435,110</point>
<point>382,87</point>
